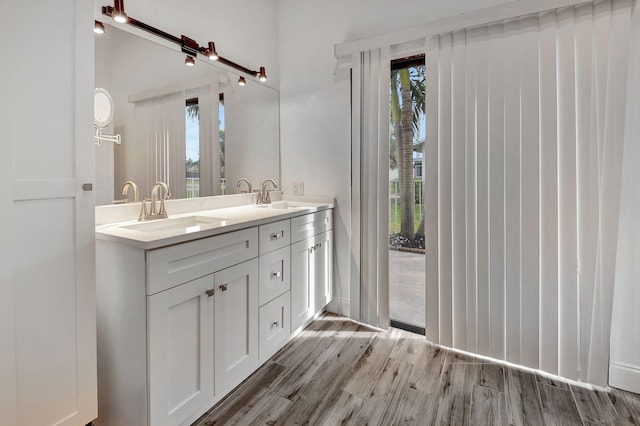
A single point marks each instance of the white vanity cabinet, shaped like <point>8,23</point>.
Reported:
<point>203,341</point>
<point>197,338</point>
<point>311,265</point>
<point>180,324</point>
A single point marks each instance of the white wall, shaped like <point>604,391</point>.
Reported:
<point>315,107</point>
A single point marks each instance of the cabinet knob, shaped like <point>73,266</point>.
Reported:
<point>223,287</point>
<point>276,274</point>
<point>275,323</point>
<point>210,293</point>
<point>277,235</point>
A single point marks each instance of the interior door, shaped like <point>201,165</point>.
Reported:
<point>47,278</point>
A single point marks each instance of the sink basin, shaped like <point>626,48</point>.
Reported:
<point>278,205</point>
<point>183,225</point>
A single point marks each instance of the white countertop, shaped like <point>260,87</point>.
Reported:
<point>153,234</point>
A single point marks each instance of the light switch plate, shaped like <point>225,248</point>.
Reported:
<point>298,188</point>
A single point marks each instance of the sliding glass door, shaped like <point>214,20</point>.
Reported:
<point>406,201</point>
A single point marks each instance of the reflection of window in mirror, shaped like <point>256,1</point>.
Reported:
<point>192,151</point>
<point>223,180</point>
<point>192,128</point>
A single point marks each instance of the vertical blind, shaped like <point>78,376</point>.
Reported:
<point>525,123</point>
<point>370,187</point>
<point>160,137</point>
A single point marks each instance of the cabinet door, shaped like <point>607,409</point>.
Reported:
<point>323,268</point>
<point>302,303</point>
<point>180,351</point>
<point>236,324</point>
<point>274,325</point>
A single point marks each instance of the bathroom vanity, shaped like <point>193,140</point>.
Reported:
<point>190,306</point>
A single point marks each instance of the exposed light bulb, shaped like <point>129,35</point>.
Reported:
<point>262,75</point>
<point>118,12</point>
<point>119,17</point>
<point>98,27</point>
<point>211,51</point>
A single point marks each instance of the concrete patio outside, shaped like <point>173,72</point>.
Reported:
<point>407,287</point>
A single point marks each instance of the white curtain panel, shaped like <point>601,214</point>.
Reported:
<point>370,187</point>
<point>209,142</point>
<point>160,138</point>
<point>625,326</point>
<point>525,122</point>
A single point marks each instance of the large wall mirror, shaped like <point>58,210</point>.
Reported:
<point>192,127</point>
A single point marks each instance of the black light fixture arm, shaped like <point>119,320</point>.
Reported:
<point>188,45</point>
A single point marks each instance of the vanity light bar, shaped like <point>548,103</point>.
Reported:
<point>187,45</point>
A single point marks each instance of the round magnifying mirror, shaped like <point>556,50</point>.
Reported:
<point>102,108</point>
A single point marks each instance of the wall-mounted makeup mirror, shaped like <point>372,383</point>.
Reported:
<point>102,108</point>
<point>103,116</point>
<point>192,127</point>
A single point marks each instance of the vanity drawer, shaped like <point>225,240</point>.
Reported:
<point>275,276</point>
<point>170,266</point>
<point>275,326</point>
<point>303,227</point>
<point>274,236</point>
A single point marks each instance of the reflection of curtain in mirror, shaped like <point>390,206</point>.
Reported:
<point>209,142</point>
<point>160,137</point>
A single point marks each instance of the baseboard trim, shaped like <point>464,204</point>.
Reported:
<point>624,376</point>
<point>345,307</point>
<point>339,306</point>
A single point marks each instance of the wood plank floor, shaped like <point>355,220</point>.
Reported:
<point>340,372</point>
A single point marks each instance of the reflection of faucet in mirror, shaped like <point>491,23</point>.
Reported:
<point>125,190</point>
<point>248,182</point>
<point>165,193</point>
<point>264,197</point>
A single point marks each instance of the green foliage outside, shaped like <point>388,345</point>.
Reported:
<point>407,111</point>
<point>395,218</point>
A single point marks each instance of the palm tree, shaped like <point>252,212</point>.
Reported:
<point>407,109</point>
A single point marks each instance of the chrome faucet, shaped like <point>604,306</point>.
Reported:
<point>263,197</point>
<point>248,182</point>
<point>125,190</point>
<point>165,193</point>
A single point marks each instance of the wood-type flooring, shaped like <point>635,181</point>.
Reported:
<point>338,372</point>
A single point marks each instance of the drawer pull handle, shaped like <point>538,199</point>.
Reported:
<point>277,235</point>
<point>275,323</point>
<point>223,287</point>
<point>276,274</point>
<point>210,293</point>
